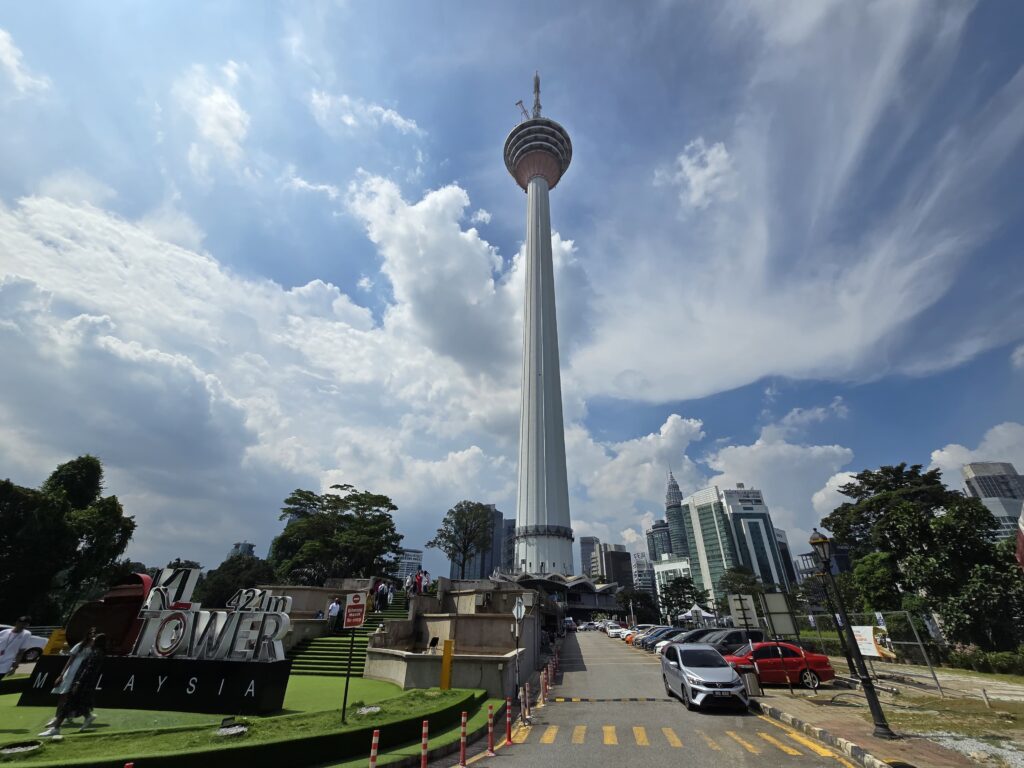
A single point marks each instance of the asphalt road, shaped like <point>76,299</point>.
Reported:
<point>647,734</point>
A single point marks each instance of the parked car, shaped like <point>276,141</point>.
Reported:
<point>783,663</point>
<point>683,636</point>
<point>614,630</point>
<point>654,632</point>
<point>726,641</point>
<point>701,677</point>
<point>639,631</point>
<point>569,625</point>
<point>32,649</point>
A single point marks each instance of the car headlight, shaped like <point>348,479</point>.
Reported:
<point>694,680</point>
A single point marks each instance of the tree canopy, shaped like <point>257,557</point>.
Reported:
<point>61,543</point>
<point>236,572</point>
<point>914,541</point>
<point>466,530</point>
<point>336,535</point>
<point>681,594</point>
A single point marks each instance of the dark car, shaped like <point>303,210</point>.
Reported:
<point>725,641</point>
<point>685,636</point>
<point>653,633</point>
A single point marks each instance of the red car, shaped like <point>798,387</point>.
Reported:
<point>782,663</point>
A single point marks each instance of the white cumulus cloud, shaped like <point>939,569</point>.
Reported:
<point>20,77</point>
<point>221,122</point>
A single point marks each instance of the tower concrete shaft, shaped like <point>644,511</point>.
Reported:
<point>537,153</point>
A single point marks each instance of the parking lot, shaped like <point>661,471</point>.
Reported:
<point>611,705</point>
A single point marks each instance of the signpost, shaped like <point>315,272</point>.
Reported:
<point>354,616</point>
<point>519,611</point>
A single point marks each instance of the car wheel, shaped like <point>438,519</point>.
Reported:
<point>809,679</point>
<point>668,688</point>
<point>686,698</point>
<point>31,655</point>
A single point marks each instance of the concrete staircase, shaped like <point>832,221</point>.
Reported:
<point>328,655</point>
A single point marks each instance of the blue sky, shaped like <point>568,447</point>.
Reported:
<point>245,249</point>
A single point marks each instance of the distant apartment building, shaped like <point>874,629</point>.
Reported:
<point>787,555</point>
<point>508,545</point>
<point>643,575</point>
<point>1001,489</point>
<point>668,569</point>
<point>242,548</point>
<point>658,541</point>
<point>410,561</point>
<point>588,545</point>
<point>613,563</point>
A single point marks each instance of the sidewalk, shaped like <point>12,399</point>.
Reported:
<point>848,724</point>
<point>960,682</point>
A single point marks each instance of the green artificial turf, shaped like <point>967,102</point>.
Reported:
<point>450,736</point>
<point>139,744</point>
<point>305,694</point>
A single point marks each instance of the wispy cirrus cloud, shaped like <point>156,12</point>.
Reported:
<point>21,78</point>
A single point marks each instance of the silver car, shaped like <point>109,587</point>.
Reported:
<point>700,677</point>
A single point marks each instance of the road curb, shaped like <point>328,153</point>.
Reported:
<point>845,746</point>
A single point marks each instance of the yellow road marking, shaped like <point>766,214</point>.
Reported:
<point>640,736</point>
<point>549,735</point>
<point>743,743</point>
<point>579,733</point>
<point>712,744</point>
<point>609,734</point>
<point>521,734</point>
<point>575,699</point>
<point>811,745</point>
<point>671,737</point>
<point>776,743</point>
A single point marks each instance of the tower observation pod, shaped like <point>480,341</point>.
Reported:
<point>537,153</point>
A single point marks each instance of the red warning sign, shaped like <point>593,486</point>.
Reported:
<point>355,610</point>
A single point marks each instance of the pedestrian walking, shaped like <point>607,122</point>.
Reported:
<point>67,677</point>
<point>12,645</point>
<point>426,581</point>
<point>333,610</point>
<point>410,582</point>
<point>391,594</point>
<point>419,582</point>
<point>82,692</point>
<point>382,596</point>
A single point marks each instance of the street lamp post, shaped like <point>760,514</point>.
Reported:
<point>823,549</point>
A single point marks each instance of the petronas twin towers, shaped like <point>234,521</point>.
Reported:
<point>537,153</point>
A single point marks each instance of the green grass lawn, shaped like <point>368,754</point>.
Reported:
<point>139,744</point>
<point>305,694</point>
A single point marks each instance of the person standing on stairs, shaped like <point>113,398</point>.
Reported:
<point>333,611</point>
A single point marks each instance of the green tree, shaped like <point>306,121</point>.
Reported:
<point>644,608</point>
<point>466,530</point>
<point>336,535</point>
<point>36,543</point>
<point>876,579</point>
<point>681,594</point>
<point>236,572</point>
<point>80,481</point>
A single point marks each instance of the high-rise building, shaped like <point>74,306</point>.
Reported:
<point>782,541</point>
<point>993,480</point>
<point>508,545</point>
<point>1001,490</point>
<point>483,564</point>
<point>643,575</point>
<point>606,562</point>
<point>732,528</point>
<point>410,561</point>
<point>675,518</point>
<point>588,545</point>
<point>668,569</point>
<point>537,153</point>
<point>658,541</point>
<point>242,548</point>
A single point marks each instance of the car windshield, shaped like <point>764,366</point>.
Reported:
<point>703,658</point>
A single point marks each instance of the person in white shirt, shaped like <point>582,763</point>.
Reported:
<point>12,645</point>
<point>332,614</point>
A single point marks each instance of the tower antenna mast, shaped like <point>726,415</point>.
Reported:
<point>536,94</point>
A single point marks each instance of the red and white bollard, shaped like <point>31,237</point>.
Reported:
<point>508,720</point>
<point>462,741</point>
<point>373,749</point>
<point>490,730</point>
<point>423,745</point>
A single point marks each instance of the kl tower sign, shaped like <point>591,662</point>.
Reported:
<point>537,154</point>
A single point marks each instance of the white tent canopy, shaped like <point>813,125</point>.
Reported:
<point>689,614</point>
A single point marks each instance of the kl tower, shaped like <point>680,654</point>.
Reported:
<point>537,153</point>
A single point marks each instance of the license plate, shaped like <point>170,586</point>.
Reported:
<point>723,693</point>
